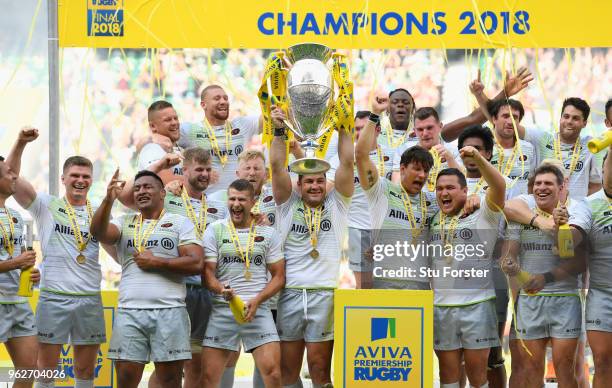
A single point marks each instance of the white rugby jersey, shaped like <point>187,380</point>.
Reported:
<point>243,128</point>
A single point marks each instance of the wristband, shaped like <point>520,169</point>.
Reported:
<point>549,277</point>
<point>280,131</point>
<point>374,118</point>
<point>532,220</point>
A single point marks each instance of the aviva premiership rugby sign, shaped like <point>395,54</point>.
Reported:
<point>383,337</point>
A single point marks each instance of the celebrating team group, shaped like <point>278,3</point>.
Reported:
<point>214,223</point>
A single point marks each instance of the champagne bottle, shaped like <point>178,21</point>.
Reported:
<point>596,145</point>
<point>25,281</point>
<point>565,241</point>
<point>237,306</point>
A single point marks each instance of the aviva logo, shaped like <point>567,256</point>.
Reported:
<point>382,328</point>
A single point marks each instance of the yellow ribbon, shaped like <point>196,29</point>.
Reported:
<point>198,221</point>
<point>213,140</point>
<point>415,229</point>
<point>81,245</point>
<point>313,222</point>
<point>435,169</point>
<point>244,255</point>
<point>575,153</point>
<point>140,242</point>
<point>277,75</point>
<point>448,238</point>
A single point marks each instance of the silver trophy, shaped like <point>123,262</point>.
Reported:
<point>310,97</point>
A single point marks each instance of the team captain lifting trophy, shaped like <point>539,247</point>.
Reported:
<point>305,93</point>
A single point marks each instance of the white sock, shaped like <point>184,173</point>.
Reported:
<point>44,384</point>
<point>451,385</point>
<point>78,383</point>
<point>227,380</point>
<point>297,384</point>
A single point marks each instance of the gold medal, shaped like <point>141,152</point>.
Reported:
<point>313,223</point>
<point>81,259</point>
<point>415,229</point>
<point>80,242</point>
<point>198,221</point>
<point>248,276</point>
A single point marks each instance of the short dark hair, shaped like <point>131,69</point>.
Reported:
<point>1,158</point>
<point>301,176</point>
<point>549,169</point>
<point>480,132</point>
<point>579,104</point>
<point>362,114</point>
<point>144,173</point>
<point>77,161</point>
<point>608,107</point>
<point>425,112</point>
<point>453,172</point>
<point>494,107</point>
<point>400,90</point>
<point>419,155</point>
<point>156,107</point>
<point>242,185</point>
<point>206,89</point>
<point>197,155</point>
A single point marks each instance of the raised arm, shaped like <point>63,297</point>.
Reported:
<point>517,210</point>
<point>162,167</point>
<point>496,193</point>
<point>101,228</point>
<point>24,193</point>
<point>281,181</point>
<point>512,85</point>
<point>366,169</point>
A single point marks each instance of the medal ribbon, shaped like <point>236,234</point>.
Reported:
<point>9,244</point>
<point>505,169</point>
<point>245,255</point>
<point>435,169</point>
<point>313,222</point>
<point>381,161</point>
<point>478,186</point>
<point>415,229</point>
<point>140,242</point>
<point>200,220</point>
<point>448,238</point>
<point>81,245</point>
<point>575,153</point>
<point>213,139</point>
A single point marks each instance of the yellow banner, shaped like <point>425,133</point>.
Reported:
<point>338,24</point>
<point>104,372</point>
<point>383,337</point>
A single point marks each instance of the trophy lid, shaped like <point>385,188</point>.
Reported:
<point>309,51</point>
